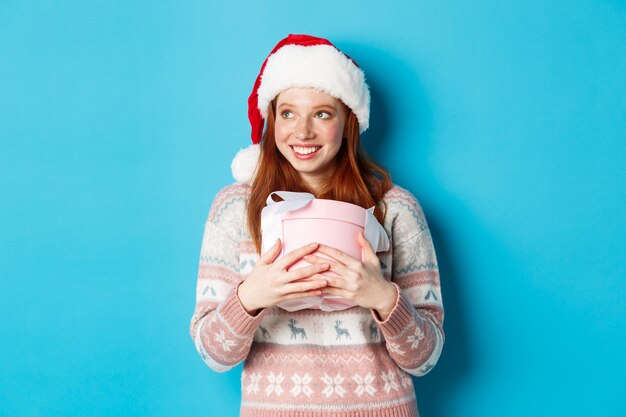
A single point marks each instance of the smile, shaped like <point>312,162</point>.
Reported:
<point>305,150</point>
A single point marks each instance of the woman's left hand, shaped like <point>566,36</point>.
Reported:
<point>361,282</point>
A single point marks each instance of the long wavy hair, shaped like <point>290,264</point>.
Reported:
<point>357,179</point>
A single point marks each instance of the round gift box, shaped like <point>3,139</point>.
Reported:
<point>329,222</point>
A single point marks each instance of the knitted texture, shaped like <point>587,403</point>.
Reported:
<point>312,363</point>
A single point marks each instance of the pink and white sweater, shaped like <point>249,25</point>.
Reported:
<point>313,363</point>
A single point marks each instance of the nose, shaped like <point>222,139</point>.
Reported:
<point>304,129</point>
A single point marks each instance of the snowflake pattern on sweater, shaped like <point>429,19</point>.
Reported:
<point>311,363</point>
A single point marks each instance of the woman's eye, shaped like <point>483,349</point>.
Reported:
<point>286,114</point>
<point>323,115</point>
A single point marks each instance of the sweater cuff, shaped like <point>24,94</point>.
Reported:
<point>239,320</point>
<point>400,318</point>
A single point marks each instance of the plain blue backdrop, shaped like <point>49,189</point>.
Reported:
<point>118,122</point>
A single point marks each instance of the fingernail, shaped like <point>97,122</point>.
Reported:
<point>312,245</point>
<point>324,266</point>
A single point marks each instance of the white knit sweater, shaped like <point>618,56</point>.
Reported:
<point>312,363</point>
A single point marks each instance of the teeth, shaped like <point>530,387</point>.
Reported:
<point>305,150</point>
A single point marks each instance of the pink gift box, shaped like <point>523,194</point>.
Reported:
<point>301,219</point>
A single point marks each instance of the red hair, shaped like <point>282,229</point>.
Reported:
<point>357,179</point>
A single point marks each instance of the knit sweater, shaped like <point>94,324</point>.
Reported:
<point>311,363</point>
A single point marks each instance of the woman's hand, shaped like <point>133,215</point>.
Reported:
<point>361,282</point>
<point>269,283</point>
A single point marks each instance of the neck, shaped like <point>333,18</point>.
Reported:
<point>313,182</point>
<point>316,181</point>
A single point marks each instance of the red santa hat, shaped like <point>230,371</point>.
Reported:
<point>301,61</point>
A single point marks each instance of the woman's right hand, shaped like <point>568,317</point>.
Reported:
<point>269,282</point>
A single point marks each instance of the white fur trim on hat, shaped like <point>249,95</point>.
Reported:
<point>319,66</point>
<point>245,163</point>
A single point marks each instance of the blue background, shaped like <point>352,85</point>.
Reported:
<point>118,122</point>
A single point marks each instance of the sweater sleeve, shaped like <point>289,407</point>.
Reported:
<point>222,330</point>
<point>413,330</point>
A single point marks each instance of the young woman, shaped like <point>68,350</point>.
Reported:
<point>313,102</point>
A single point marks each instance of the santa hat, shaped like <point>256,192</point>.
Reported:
<point>301,61</point>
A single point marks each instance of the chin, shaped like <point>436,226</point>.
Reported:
<point>306,170</point>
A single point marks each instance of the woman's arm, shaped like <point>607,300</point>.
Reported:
<point>414,329</point>
<point>230,307</point>
<point>221,328</point>
<point>408,309</point>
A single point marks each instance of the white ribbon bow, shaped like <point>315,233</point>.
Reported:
<point>271,220</point>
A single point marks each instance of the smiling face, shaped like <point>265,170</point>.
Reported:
<point>308,131</point>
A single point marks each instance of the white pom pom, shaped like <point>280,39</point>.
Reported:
<point>244,164</point>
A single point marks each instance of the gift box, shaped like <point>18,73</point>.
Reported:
<point>300,219</point>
